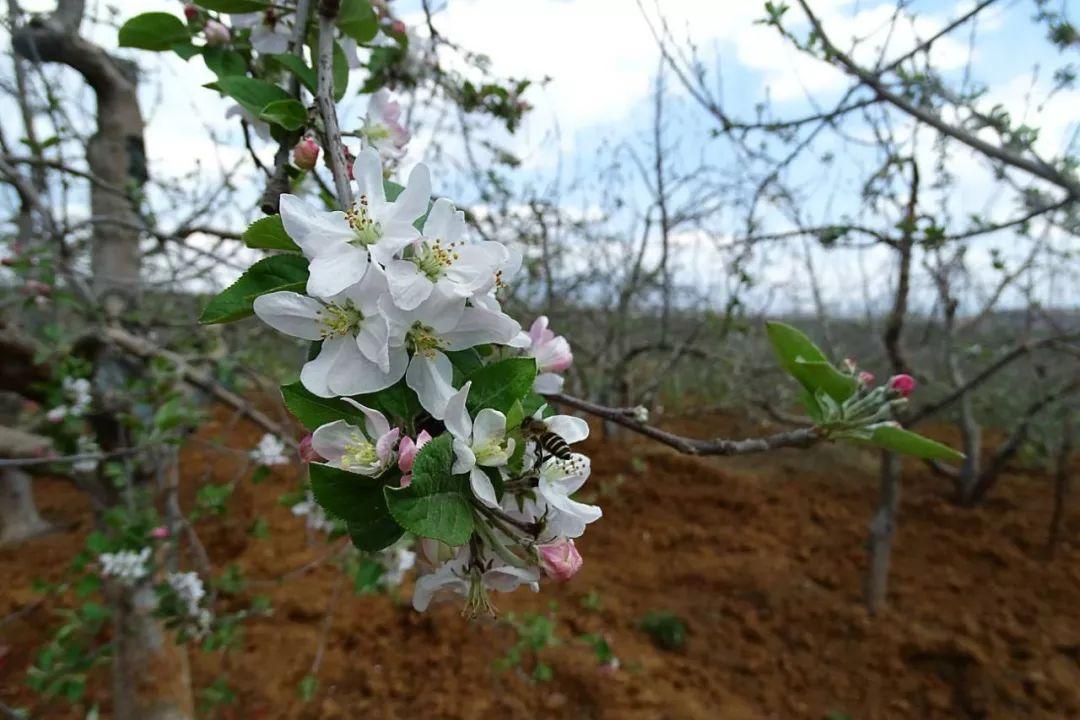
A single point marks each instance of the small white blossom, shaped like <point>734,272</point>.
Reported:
<point>313,513</point>
<point>477,445</point>
<point>396,562</point>
<point>188,587</point>
<point>270,451</point>
<point>125,566</point>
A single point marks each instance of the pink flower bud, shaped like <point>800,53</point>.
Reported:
<point>216,33</point>
<point>866,379</point>
<point>560,559</point>
<point>306,154</point>
<point>407,450</point>
<point>307,452</point>
<point>190,11</point>
<point>397,27</point>
<point>902,384</point>
<point>160,532</point>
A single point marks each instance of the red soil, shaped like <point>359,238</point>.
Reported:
<point>762,556</point>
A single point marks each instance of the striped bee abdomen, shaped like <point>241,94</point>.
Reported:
<point>554,445</point>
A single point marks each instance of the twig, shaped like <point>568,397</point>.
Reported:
<point>324,99</point>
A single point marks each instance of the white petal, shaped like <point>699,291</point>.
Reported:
<point>438,219</point>
<point>464,458</point>
<point>490,425</point>
<point>375,423</point>
<point>548,383</point>
<point>312,229</point>
<point>507,578</point>
<point>353,374</point>
<point>369,178</point>
<point>456,417</point>
<point>315,375</point>
<point>482,487</point>
<point>479,327</point>
<point>373,340</point>
<point>291,313</point>
<point>413,200</point>
<point>333,270</point>
<point>569,428</point>
<point>431,379</point>
<point>408,286</point>
<point>429,584</point>
<point>331,439</point>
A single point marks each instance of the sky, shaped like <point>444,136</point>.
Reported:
<point>601,60</point>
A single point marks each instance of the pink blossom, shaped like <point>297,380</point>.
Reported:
<point>397,27</point>
<point>216,33</point>
<point>306,154</point>
<point>190,11</point>
<point>902,384</point>
<point>552,352</point>
<point>307,452</point>
<point>866,379</point>
<point>382,126</point>
<point>561,559</point>
<point>160,532</point>
<point>407,450</point>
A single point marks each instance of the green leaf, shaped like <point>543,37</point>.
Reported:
<point>903,441</point>
<point>357,19</point>
<point>269,234</point>
<point>313,411</point>
<point>515,415</point>
<point>397,402</point>
<point>252,94</point>
<point>223,62</point>
<point>467,362</point>
<point>501,384</point>
<point>289,114</point>
<point>153,31</point>
<point>236,6</point>
<point>804,361</point>
<point>341,73</point>
<point>436,504</point>
<point>186,50</point>
<point>298,67</point>
<point>360,502</point>
<point>277,272</point>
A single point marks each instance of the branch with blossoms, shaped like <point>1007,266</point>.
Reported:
<point>427,404</point>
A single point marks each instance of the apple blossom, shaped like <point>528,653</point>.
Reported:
<point>313,514</point>
<point>902,384</point>
<point>382,127</point>
<point>306,154</point>
<point>339,244</point>
<point>271,32</point>
<point>477,445</point>
<point>561,516</point>
<point>552,353</point>
<point>367,451</point>
<point>355,357</point>
<point>560,559</point>
<point>439,257</point>
<point>216,33</point>
<point>270,451</point>
<point>407,450</point>
<point>471,576</point>
<point>125,566</point>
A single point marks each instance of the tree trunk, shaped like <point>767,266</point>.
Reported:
<point>882,532</point>
<point>19,518</point>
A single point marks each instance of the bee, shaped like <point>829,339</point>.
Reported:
<point>545,439</point>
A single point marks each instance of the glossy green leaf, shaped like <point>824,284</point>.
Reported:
<point>313,411</point>
<point>397,402</point>
<point>252,94</point>
<point>501,384</point>
<point>223,62</point>
<point>360,502</point>
<point>436,504</point>
<point>153,31</point>
<point>289,114</point>
<point>357,19</point>
<point>269,234</point>
<point>804,361</point>
<point>277,272</point>
<point>298,67</point>
<point>906,442</point>
<point>341,72</point>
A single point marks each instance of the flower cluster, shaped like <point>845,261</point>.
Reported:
<point>437,391</point>
<point>78,395</point>
<point>125,566</point>
<point>270,451</point>
<point>867,407</point>
<point>189,591</point>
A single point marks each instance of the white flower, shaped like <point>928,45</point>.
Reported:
<point>270,30</point>
<point>125,566</point>
<point>471,579</point>
<point>368,451</point>
<point>86,445</point>
<point>396,562</point>
<point>476,445</point>
<point>561,515</point>
<point>440,258</point>
<point>338,243</point>
<point>270,451</point>
<point>188,587</point>
<point>355,356</point>
<point>79,394</point>
<point>315,516</point>
<point>382,127</point>
<point>441,323</point>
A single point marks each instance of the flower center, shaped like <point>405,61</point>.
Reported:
<point>421,339</point>
<point>338,320</point>
<point>433,258</point>
<point>489,450</point>
<point>377,131</point>
<point>359,452</point>
<point>367,229</point>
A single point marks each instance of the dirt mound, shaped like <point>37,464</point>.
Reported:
<point>761,556</point>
